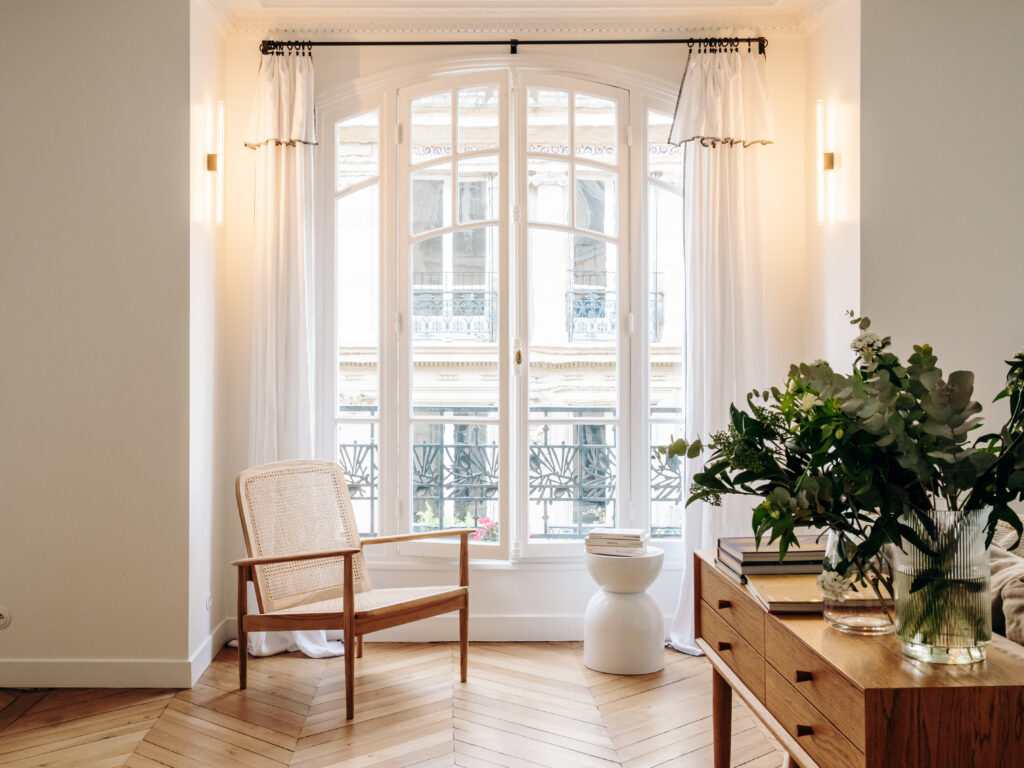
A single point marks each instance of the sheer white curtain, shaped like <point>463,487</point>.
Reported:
<point>723,114</point>
<point>282,133</point>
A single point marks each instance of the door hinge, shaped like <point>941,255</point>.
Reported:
<point>631,323</point>
<point>398,133</point>
<point>398,323</point>
<point>629,135</point>
<point>515,213</point>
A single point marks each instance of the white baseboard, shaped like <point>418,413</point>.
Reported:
<point>201,659</point>
<point>95,673</point>
<point>115,673</point>
<point>495,628</point>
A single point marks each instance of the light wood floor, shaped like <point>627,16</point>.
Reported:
<point>526,704</point>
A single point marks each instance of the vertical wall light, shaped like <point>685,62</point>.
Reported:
<point>219,205</point>
<point>215,165</point>
<point>819,155</point>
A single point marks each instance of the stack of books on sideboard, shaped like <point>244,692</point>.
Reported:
<point>782,587</point>
<point>740,557</point>
<point>618,542</point>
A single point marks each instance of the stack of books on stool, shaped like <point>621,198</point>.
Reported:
<point>618,542</point>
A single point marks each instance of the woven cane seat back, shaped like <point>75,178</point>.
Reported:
<point>299,506</point>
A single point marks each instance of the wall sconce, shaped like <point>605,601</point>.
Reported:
<point>213,165</point>
<point>826,185</point>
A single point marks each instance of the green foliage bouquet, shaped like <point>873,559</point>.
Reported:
<point>866,453</point>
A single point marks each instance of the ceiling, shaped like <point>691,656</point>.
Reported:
<point>253,17</point>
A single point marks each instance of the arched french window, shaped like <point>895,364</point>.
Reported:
<point>501,320</point>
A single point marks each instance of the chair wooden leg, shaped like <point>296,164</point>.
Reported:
<point>359,646</point>
<point>350,675</point>
<point>464,640</point>
<point>243,636</point>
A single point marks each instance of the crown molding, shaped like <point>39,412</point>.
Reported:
<point>360,18</point>
<point>815,12</point>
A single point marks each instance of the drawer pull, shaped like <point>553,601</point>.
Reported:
<point>802,676</point>
<point>724,646</point>
<point>804,730</point>
<point>724,604</point>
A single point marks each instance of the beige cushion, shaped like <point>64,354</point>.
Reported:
<point>1007,594</point>
<point>1006,538</point>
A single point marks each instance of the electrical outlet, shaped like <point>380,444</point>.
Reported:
<point>5,618</point>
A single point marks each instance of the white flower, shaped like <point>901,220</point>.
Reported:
<point>819,361</point>
<point>809,400</point>
<point>833,585</point>
<point>866,344</point>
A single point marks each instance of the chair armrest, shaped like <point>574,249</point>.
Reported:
<point>294,557</point>
<point>424,535</point>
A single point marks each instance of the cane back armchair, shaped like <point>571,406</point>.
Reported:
<point>306,564</point>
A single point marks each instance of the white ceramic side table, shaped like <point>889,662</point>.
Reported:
<point>623,629</point>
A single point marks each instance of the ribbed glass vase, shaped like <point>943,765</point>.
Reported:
<point>943,607</point>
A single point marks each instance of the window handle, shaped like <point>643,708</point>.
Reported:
<point>519,357</point>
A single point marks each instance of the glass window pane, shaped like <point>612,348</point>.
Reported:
<point>455,478</point>
<point>431,129</point>
<point>666,301</point>
<point>478,189</point>
<point>547,185</point>
<point>478,118</point>
<point>597,200</point>
<point>455,321</point>
<point>357,148</point>
<point>595,128</point>
<point>667,485</point>
<point>572,479</point>
<point>430,204</point>
<point>357,300</point>
<point>359,457</point>
<point>547,121</point>
<point>573,318</point>
<point>664,161</point>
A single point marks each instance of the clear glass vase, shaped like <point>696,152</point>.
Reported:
<point>860,604</point>
<point>943,605</point>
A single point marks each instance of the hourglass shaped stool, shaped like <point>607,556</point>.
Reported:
<point>623,629</point>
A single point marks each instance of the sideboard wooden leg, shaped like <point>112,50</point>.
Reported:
<point>721,715</point>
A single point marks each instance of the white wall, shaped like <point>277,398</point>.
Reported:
<point>509,602</point>
<point>94,296</point>
<point>207,569</point>
<point>943,193</point>
<point>833,240</point>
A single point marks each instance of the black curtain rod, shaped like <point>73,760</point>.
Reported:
<point>709,43</point>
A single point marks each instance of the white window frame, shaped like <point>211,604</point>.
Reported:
<point>633,487</point>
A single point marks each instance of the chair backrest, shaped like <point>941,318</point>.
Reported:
<point>298,506</point>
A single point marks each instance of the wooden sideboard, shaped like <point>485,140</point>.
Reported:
<point>840,701</point>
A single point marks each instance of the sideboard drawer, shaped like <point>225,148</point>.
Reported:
<point>812,730</point>
<point>734,604</point>
<point>832,694</point>
<point>741,657</point>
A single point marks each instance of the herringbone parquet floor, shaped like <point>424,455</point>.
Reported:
<point>526,704</point>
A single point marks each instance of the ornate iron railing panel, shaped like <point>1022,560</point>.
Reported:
<point>456,473</point>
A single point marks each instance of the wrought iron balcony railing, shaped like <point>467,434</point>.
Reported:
<point>455,476</point>
<point>454,305</point>
<point>591,307</point>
